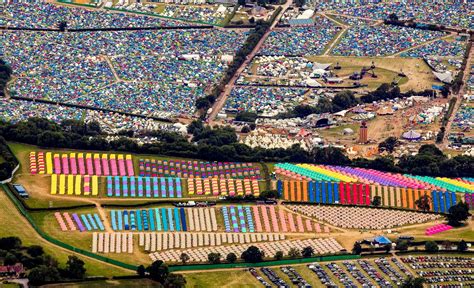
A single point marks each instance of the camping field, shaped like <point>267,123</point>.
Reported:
<point>39,187</point>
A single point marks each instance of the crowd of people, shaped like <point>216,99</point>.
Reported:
<point>307,40</point>
<point>270,100</point>
<point>381,40</point>
<point>79,67</point>
<point>447,13</point>
<point>443,48</point>
<point>47,15</point>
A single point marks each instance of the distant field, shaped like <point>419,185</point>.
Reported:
<point>418,73</point>
<point>13,224</point>
<point>228,279</point>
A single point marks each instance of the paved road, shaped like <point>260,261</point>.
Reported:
<point>216,108</point>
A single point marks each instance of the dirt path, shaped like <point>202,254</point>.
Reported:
<point>335,41</point>
<point>109,62</point>
<point>421,45</point>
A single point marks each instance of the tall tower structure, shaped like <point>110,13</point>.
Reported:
<point>363,133</point>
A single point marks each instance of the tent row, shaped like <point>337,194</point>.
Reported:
<point>37,163</point>
<point>158,219</point>
<point>445,183</point>
<point>74,185</point>
<point>202,219</point>
<point>267,219</point>
<point>224,187</point>
<point>362,194</point>
<point>197,169</point>
<point>83,164</point>
<point>320,246</point>
<point>363,217</point>
<point>152,242</point>
<point>81,222</point>
<point>112,242</point>
<point>124,186</point>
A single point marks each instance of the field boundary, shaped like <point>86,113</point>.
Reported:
<point>178,268</point>
<point>54,241</point>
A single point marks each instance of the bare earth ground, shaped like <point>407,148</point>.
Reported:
<point>419,74</point>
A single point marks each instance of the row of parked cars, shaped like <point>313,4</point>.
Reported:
<point>295,277</point>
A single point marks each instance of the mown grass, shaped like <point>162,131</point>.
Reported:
<point>14,224</point>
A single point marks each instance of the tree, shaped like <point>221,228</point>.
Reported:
<point>231,257</point>
<point>62,26</point>
<point>388,144</point>
<point>246,117</point>
<point>195,127</point>
<point>268,194</point>
<point>393,17</point>
<point>412,282</point>
<point>141,271</point>
<point>457,214</point>
<point>344,100</point>
<point>431,246</point>
<point>158,271</point>
<point>402,245</point>
<point>75,268</point>
<point>252,255</point>
<point>357,249</point>
<point>10,243</point>
<point>377,201</point>
<point>175,281</point>
<point>214,258</point>
<point>35,251</point>
<point>307,252</point>
<point>10,259</point>
<point>462,246</point>
<point>43,274</point>
<point>293,253</point>
<point>184,258</point>
<point>278,255</point>
<point>424,203</point>
<point>245,129</point>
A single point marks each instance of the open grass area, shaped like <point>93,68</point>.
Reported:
<point>47,222</point>
<point>228,279</point>
<point>13,224</point>
<point>419,75</point>
<point>107,283</point>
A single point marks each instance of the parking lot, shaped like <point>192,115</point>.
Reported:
<point>370,272</point>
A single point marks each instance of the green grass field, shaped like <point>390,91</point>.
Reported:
<point>13,224</point>
<point>107,283</point>
<point>228,279</point>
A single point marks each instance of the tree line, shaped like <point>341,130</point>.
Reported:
<point>8,161</point>
<point>5,76</point>
<point>40,268</point>
<point>221,144</point>
<point>204,103</point>
<point>346,99</point>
